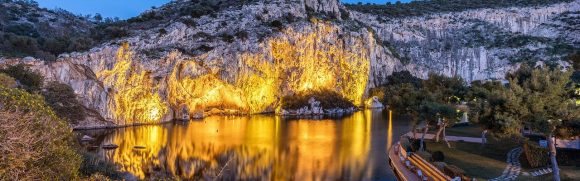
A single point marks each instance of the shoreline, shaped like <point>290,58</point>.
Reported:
<point>313,116</point>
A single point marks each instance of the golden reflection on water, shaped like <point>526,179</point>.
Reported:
<point>390,130</point>
<point>255,147</point>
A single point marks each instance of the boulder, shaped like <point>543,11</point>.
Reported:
<point>87,138</point>
<point>374,103</point>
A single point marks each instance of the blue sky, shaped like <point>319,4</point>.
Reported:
<point>127,8</point>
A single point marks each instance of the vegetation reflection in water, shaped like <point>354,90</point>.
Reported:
<point>254,147</point>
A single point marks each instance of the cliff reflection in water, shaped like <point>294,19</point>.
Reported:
<point>254,147</point>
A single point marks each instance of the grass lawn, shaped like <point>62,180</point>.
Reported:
<point>483,163</point>
<point>489,161</point>
<point>468,131</point>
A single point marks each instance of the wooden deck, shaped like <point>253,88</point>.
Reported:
<point>398,167</point>
<point>397,159</point>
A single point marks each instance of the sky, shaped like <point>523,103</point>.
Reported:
<point>125,9</point>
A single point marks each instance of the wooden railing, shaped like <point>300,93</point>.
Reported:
<point>419,163</point>
<point>428,169</point>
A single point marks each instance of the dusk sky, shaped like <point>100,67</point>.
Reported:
<point>128,8</point>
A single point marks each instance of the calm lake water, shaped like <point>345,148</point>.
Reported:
<point>258,147</point>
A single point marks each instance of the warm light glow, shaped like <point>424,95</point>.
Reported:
<point>134,94</point>
<point>261,147</point>
<point>390,131</point>
<point>300,61</point>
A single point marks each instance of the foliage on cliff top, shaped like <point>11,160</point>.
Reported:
<point>420,8</point>
<point>28,79</point>
<point>328,100</point>
<point>28,30</point>
<point>35,143</point>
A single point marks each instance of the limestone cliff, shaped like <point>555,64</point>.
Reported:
<point>244,58</point>
<point>482,43</point>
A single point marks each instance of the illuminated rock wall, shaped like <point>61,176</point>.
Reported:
<point>135,90</point>
<point>134,93</point>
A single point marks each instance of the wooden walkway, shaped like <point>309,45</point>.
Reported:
<point>398,160</point>
<point>413,167</point>
<point>398,167</point>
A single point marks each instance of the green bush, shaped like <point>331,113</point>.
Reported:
<point>328,99</point>
<point>438,156</point>
<point>277,24</point>
<point>30,80</point>
<point>416,144</point>
<point>62,99</point>
<point>454,171</point>
<point>35,144</point>
<point>535,155</point>
<point>7,81</point>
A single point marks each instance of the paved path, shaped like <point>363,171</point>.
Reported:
<point>449,138</point>
<point>513,168</point>
<point>538,172</point>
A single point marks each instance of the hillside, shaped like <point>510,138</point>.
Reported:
<point>480,42</point>
<point>197,58</point>
<point>28,30</point>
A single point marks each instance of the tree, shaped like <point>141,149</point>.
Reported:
<point>98,18</point>
<point>447,117</point>
<point>62,99</point>
<point>440,93</point>
<point>402,93</point>
<point>482,99</point>
<point>539,99</point>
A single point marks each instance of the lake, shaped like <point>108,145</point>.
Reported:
<point>256,147</point>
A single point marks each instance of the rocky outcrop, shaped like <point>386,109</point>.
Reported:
<point>141,79</point>
<point>315,109</point>
<point>374,103</point>
<point>479,44</point>
<point>324,6</point>
<point>244,59</point>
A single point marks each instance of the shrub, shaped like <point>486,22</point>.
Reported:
<point>162,31</point>
<point>425,155</point>
<point>7,81</point>
<point>35,144</point>
<point>243,35</point>
<point>277,24</point>
<point>454,171</point>
<point>328,99</point>
<point>227,38</point>
<point>535,155</point>
<point>416,144</point>
<point>438,156</point>
<point>30,80</point>
<point>62,99</point>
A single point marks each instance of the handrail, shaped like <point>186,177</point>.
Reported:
<point>425,168</point>
<point>432,168</point>
<point>400,175</point>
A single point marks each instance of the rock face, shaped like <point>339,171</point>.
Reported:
<point>479,44</point>
<point>244,59</point>
<point>374,103</point>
